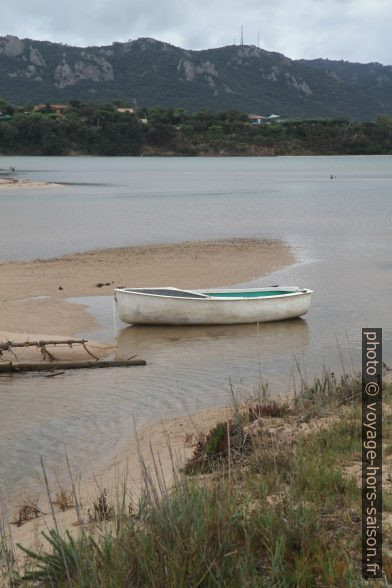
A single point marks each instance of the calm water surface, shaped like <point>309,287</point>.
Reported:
<point>342,233</point>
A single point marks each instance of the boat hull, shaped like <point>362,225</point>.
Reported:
<point>138,308</point>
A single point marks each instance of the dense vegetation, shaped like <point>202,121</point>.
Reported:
<point>159,74</point>
<point>273,499</point>
<point>92,129</point>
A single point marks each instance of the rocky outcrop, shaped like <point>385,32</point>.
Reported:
<point>272,75</point>
<point>191,70</point>
<point>11,46</point>
<point>383,81</point>
<point>36,57</point>
<point>298,84</point>
<point>96,69</point>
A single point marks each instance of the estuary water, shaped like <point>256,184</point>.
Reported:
<point>340,229</point>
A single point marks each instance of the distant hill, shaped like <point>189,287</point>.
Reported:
<point>158,74</point>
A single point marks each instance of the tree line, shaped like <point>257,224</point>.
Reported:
<point>112,129</point>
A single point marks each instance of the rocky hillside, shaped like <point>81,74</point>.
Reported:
<point>159,74</point>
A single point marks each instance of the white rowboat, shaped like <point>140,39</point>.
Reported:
<point>171,306</point>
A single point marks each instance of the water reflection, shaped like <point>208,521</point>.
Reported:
<point>92,412</point>
<point>283,337</point>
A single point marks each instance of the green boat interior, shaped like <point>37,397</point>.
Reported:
<point>186,294</point>
<point>247,294</point>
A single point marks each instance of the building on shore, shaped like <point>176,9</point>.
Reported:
<point>59,109</point>
<point>257,119</point>
<point>127,110</point>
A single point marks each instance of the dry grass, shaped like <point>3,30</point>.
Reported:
<point>64,499</point>
<point>101,510</point>
<point>27,510</point>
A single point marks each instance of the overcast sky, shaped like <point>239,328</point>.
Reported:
<point>356,30</point>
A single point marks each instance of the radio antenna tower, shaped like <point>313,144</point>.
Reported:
<point>242,35</point>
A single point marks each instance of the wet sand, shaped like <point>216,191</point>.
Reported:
<point>58,352</point>
<point>167,442</point>
<point>12,183</point>
<point>197,264</point>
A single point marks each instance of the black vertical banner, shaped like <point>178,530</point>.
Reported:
<point>371,453</point>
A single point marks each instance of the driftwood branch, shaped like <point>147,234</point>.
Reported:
<point>7,345</point>
<point>42,345</point>
<point>12,367</point>
<point>89,352</point>
<point>46,354</point>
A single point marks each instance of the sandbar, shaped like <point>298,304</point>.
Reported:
<point>193,264</point>
<point>7,183</point>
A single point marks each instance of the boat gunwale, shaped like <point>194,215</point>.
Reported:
<point>217,299</point>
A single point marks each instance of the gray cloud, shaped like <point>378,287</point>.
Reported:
<point>356,30</point>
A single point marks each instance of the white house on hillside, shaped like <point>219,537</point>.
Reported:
<point>256,119</point>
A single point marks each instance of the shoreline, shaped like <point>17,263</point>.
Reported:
<point>33,293</point>
<point>189,264</point>
<point>13,183</point>
<point>150,441</point>
<point>169,443</point>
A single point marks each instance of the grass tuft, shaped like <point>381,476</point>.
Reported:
<point>27,511</point>
<point>268,409</point>
<point>101,511</point>
<point>64,499</point>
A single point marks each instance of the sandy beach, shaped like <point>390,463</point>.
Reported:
<point>197,264</point>
<point>13,183</point>
<point>169,439</point>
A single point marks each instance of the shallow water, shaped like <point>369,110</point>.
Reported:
<point>341,230</point>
